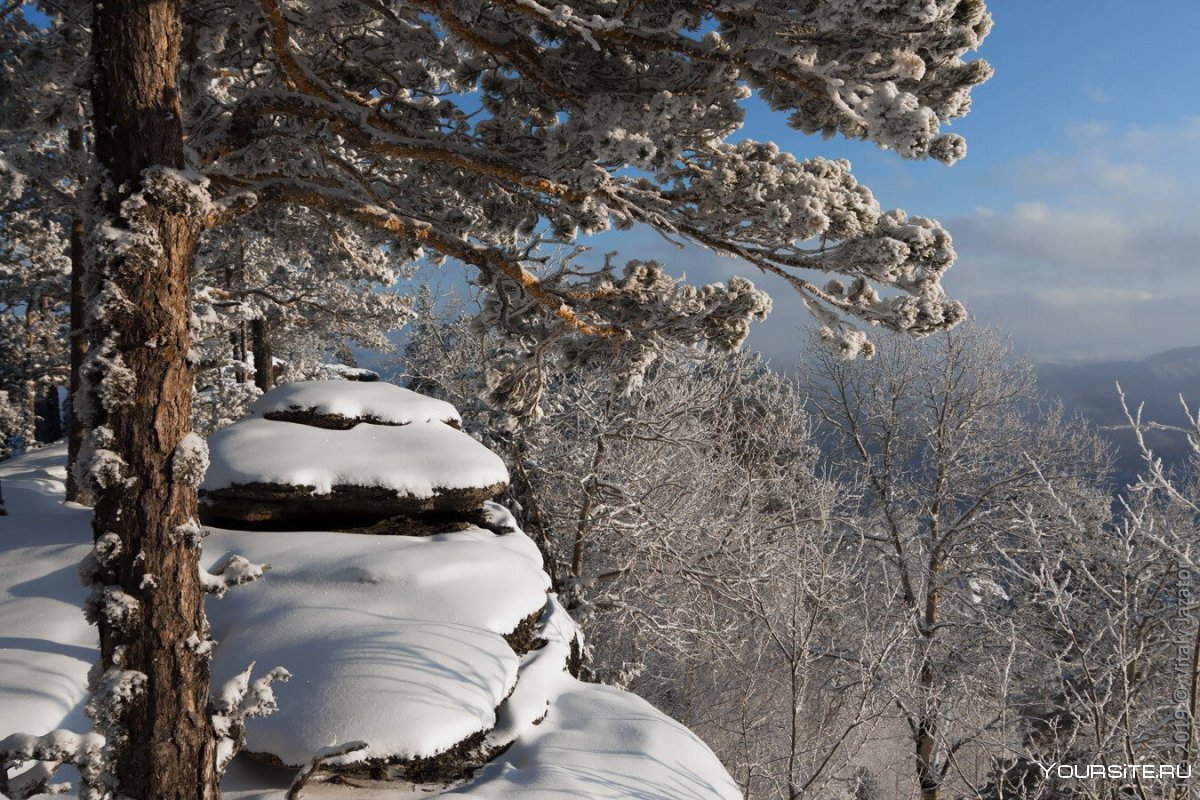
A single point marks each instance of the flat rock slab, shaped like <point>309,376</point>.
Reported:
<point>264,470</point>
<point>340,404</point>
<point>356,509</point>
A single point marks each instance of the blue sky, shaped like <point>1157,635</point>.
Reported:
<point>1076,214</point>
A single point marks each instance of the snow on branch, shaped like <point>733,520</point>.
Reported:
<point>51,751</point>
<point>189,462</point>
<point>1157,477</point>
<point>241,699</point>
<point>564,149</point>
<point>181,192</point>
<point>490,261</point>
<point>234,570</point>
<point>12,180</point>
<point>339,755</point>
<point>112,605</point>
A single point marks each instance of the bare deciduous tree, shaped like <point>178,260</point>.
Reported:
<point>704,558</point>
<point>1110,635</point>
<point>944,436</point>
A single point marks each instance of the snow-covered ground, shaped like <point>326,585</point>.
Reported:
<point>397,641</point>
<point>46,647</point>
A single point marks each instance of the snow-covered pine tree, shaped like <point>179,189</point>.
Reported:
<point>10,418</point>
<point>44,160</point>
<point>34,303</point>
<point>475,131</point>
<point>479,130</point>
<point>302,287</point>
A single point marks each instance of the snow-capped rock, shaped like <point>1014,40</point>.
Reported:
<point>398,641</point>
<point>440,658</point>
<point>262,469</point>
<point>343,404</point>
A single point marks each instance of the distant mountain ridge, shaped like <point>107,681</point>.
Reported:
<point>1156,381</point>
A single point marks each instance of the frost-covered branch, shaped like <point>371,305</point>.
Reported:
<point>620,119</point>
<point>53,750</point>
<point>234,570</point>
<point>238,700</point>
<point>339,755</point>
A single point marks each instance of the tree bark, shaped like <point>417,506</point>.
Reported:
<point>79,345</point>
<point>49,415</point>
<point>139,385</point>
<point>925,739</point>
<point>264,357</point>
<point>29,425</point>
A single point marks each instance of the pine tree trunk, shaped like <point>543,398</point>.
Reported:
<point>240,353</point>
<point>29,429</point>
<point>49,409</point>
<point>237,337</point>
<point>264,357</point>
<point>140,387</point>
<point>49,416</point>
<point>79,346</point>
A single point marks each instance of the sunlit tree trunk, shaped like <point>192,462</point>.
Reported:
<point>139,388</point>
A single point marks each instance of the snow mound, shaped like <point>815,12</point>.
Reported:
<point>394,640</point>
<point>602,743</point>
<point>539,674</point>
<point>595,742</point>
<point>374,402</point>
<point>413,459</point>
<point>306,453</point>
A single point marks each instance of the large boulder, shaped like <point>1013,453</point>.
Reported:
<point>441,654</point>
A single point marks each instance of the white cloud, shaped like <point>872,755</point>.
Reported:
<point>1175,141</point>
<point>1100,253</point>
<point>1089,130</point>
<point>1092,296</point>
